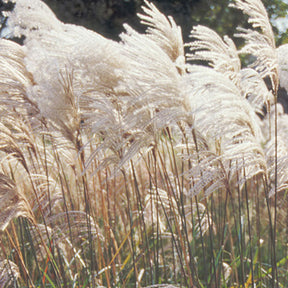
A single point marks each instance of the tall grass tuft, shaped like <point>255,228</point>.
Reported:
<point>147,162</point>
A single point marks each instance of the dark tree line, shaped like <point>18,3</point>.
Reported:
<point>107,16</point>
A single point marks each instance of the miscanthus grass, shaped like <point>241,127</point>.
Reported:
<point>146,162</point>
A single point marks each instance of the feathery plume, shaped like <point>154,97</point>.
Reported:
<point>165,32</point>
<point>261,45</point>
<point>283,65</point>
<point>197,219</point>
<point>258,17</point>
<point>76,222</point>
<point>207,173</point>
<point>220,54</point>
<point>156,202</point>
<point>29,17</point>
<point>224,117</point>
<point>9,273</point>
<point>254,89</point>
<point>15,80</point>
<point>282,150</point>
<point>13,203</point>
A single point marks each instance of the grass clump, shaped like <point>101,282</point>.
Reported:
<point>135,164</point>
